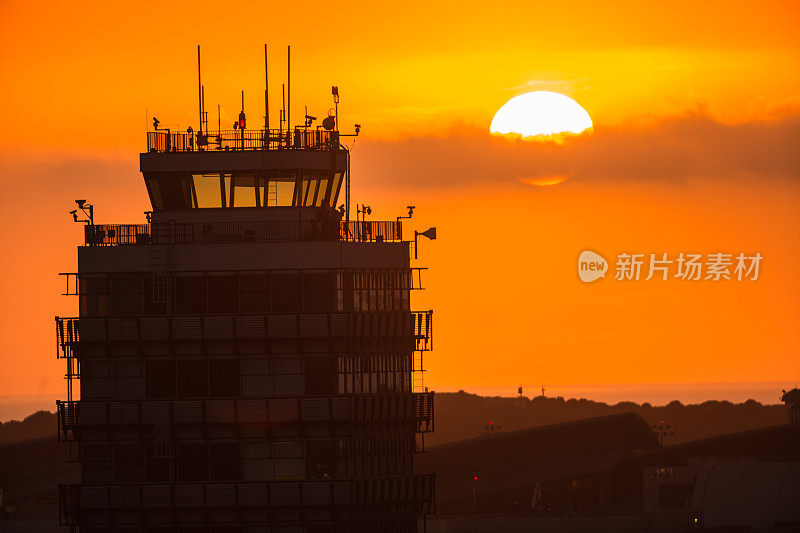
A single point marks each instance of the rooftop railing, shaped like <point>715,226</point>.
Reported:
<point>239,232</point>
<point>164,141</point>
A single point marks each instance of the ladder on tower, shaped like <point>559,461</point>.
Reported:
<point>272,193</point>
<point>417,373</point>
<point>162,258</point>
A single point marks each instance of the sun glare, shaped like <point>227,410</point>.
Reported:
<point>540,113</point>
<point>544,181</point>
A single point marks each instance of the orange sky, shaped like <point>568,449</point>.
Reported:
<point>695,107</point>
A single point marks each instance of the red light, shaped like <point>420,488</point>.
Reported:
<point>241,123</point>
<point>475,478</point>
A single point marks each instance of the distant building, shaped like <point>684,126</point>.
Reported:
<point>558,468</point>
<point>792,401</point>
<point>245,358</point>
<point>609,474</point>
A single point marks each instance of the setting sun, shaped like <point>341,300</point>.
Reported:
<point>540,113</point>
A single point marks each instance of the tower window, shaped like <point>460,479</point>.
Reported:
<point>193,378</point>
<point>189,295</point>
<point>222,294</point>
<point>318,290</point>
<point>244,191</point>
<point>225,461</point>
<point>286,291</point>
<point>159,379</point>
<point>224,377</point>
<point>207,190</point>
<point>193,461</point>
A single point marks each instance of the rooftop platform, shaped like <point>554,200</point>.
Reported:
<point>163,141</point>
<point>172,232</point>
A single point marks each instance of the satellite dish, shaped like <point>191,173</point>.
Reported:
<point>329,123</point>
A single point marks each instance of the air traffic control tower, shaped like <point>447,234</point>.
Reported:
<point>246,359</point>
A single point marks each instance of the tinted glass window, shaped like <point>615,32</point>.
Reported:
<point>286,292</point>
<point>224,375</point>
<point>253,293</point>
<point>207,190</point>
<point>318,290</point>
<point>244,191</point>
<point>159,379</point>
<point>169,190</point>
<point>193,462</point>
<point>222,293</point>
<point>193,378</point>
<point>225,461</point>
<point>189,295</point>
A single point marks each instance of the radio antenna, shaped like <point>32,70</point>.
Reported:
<point>266,94</point>
<point>199,91</point>
<point>289,89</point>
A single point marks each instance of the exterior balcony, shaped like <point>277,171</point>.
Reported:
<point>166,141</point>
<point>362,327</point>
<point>260,231</point>
<point>412,408</point>
<point>346,501</point>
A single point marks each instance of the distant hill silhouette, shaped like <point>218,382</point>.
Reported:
<point>463,416</point>
<point>39,424</point>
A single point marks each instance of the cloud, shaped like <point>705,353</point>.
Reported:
<point>671,151</point>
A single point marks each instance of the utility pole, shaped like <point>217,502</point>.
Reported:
<point>663,430</point>
<point>474,504</point>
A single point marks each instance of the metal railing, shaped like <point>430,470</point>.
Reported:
<point>360,326</point>
<point>238,232</point>
<point>68,420</point>
<point>414,408</point>
<point>414,493</point>
<point>423,411</point>
<point>162,141</point>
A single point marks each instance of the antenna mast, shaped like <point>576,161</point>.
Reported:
<point>266,94</point>
<point>289,89</point>
<point>283,107</point>
<point>199,92</point>
<point>203,115</point>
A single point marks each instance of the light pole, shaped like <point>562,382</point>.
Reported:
<point>663,430</point>
<point>474,504</point>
